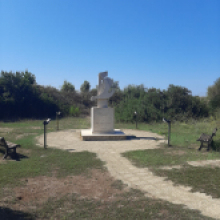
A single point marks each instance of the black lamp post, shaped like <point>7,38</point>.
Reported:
<point>169,124</point>
<point>57,119</point>
<point>136,118</point>
<point>45,123</point>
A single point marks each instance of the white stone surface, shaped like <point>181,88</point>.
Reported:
<point>103,93</point>
<point>102,120</point>
<point>88,132</point>
<point>102,117</point>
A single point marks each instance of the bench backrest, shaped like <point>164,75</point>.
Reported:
<point>2,141</point>
<point>214,132</point>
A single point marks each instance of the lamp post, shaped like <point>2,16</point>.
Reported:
<point>169,124</point>
<point>57,119</point>
<point>45,123</point>
<point>136,118</point>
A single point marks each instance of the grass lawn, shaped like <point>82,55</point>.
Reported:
<point>98,195</point>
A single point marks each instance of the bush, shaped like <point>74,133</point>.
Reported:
<point>74,111</point>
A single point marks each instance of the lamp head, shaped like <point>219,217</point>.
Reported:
<point>166,120</point>
<point>48,120</point>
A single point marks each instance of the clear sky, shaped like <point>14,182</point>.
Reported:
<point>150,42</point>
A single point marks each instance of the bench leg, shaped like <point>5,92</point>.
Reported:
<point>14,152</point>
<point>6,154</point>
<point>209,143</point>
<point>201,146</point>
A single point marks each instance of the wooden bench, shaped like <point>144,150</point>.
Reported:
<point>8,146</point>
<point>206,138</point>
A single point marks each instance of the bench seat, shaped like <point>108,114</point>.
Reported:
<point>207,139</point>
<point>8,146</point>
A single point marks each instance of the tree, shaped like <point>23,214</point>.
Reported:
<point>85,87</point>
<point>67,87</point>
<point>16,92</point>
<point>214,95</point>
<point>134,91</point>
<point>93,92</point>
<point>117,96</point>
<point>115,85</point>
<point>29,77</point>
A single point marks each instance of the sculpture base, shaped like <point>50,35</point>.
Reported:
<point>102,120</point>
<point>87,135</point>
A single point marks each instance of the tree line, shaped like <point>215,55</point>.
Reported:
<point>22,98</point>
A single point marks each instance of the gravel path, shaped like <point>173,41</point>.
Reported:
<point>139,178</point>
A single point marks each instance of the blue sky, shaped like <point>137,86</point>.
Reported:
<point>150,42</point>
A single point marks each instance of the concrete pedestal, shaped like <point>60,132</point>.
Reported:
<point>87,135</point>
<point>102,120</point>
<point>102,126</point>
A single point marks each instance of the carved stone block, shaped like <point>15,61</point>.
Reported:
<point>102,120</point>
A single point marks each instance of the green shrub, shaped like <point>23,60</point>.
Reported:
<point>74,111</point>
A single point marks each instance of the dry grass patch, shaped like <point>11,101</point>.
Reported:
<point>177,152</point>
<point>6,130</point>
<point>24,135</point>
<point>99,185</point>
<point>35,127</point>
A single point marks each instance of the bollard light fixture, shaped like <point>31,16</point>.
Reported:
<point>136,118</point>
<point>166,120</point>
<point>48,120</point>
<point>169,131</point>
<point>45,123</point>
<point>57,118</point>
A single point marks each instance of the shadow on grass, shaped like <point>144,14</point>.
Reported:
<point>12,156</point>
<point>9,214</point>
<point>70,149</point>
<point>215,145</point>
<point>19,156</point>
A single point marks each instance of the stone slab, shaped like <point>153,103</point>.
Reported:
<point>87,135</point>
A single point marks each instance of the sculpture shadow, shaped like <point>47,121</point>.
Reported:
<point>9,214</point>
<point>144,138</point>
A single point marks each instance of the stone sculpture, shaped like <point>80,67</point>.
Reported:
<point>102,117</point>
<point>103,94</point>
